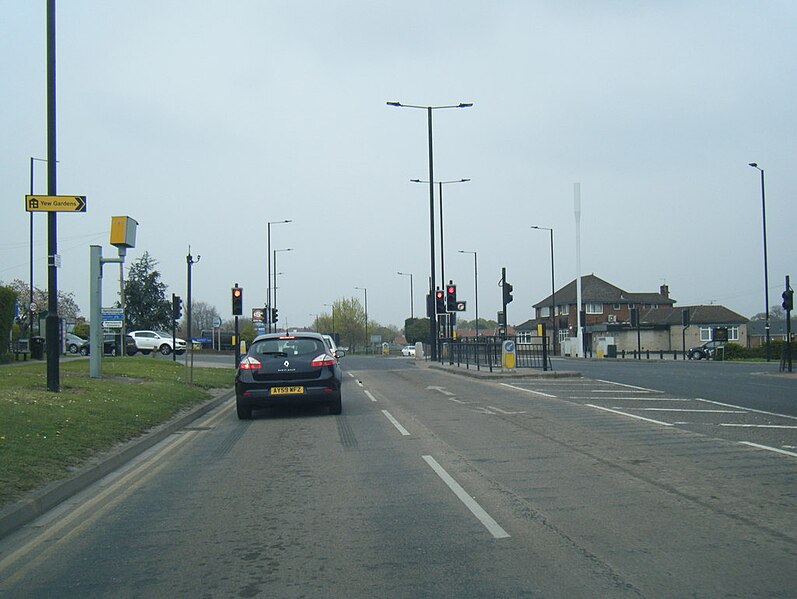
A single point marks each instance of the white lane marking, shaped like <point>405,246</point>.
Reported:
<point>639,391</point>
<point>767,448</point>
<point>761,425</point>
<point>629,386</point>
<point>351,374</point>
<point>464,403</point>
<point>491,525</point>
<point>688,410</point>
<point>396,423</point>
<point>371,397</point>
<point>528,390</point>
<point>634,398</point>
<point>629,415</point>
<point>440,389</point>
<point>504,411</point>
<point>728,405</point>
<point>360,383</point>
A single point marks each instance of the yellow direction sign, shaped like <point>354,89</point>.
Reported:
<point>55,203</point>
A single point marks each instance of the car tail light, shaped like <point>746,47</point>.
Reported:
<point>323,360</point>
<point>249,363</point>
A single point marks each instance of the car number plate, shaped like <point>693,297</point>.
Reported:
<point>287,390</point>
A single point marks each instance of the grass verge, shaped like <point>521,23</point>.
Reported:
<point>44,436</point>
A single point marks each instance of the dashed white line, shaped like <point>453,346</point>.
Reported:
<point>629,415</point>
<point>370,396</point>
<point>489,523</point>
<point>528,390</point>
<point>760,425</point>
<point>396,423</point>
<point>629,386</point>
<point>688,410</point>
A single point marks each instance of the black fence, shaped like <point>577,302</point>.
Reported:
<point>486,352</point>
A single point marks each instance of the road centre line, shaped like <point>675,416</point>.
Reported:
<point>491,525</point>
<point>370,396</point>
<point>767,448</point>
<point>629,415</point>
<point>635,398</point>
<point>528,390</point>
<point>629,386</point>
<point>396,423</point>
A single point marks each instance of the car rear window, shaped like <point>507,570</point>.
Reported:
<point>293,346</point>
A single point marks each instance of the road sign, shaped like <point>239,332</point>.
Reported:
<point>55,203</point>
<point>116,314</point>
<point>112,324</point>
<point>216,322</point>
<point>257,314</point>
<point>460,306</point>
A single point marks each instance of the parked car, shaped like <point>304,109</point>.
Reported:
<point>287,370</point>
<point>108,346</point>
<point>707,350</point>
<point>161,341</point>
<point>73,343</point>
<point>334,350</point>
<point>408,350</point>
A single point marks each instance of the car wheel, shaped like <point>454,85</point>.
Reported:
<point>73,348</point>
<point>84,351</point>
<point>131,352</point>
<point>244,411</point>
<point>180,352</point>
<point>165,349</point>
<point>336,407</point>
<point>146,352</point>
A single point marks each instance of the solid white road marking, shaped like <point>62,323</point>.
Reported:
<point>629,415</point>
<point>371,397</point>
<point>629,386</point>
<point>504,411</point>
<point>767,448</point>
<point>761,426</point>
<point>687,410</point>
<point>396,423</point>
<point>491,525</point>
<point>441,390</point>
<point>728,405</point>
<point>528,390</point>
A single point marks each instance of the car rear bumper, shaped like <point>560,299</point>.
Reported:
<point>259,395</point>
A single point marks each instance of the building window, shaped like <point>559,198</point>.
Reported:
<point>705,334</point>
<point>545,312</point>
<point>616,307</point>
<point>524,337</point>
<point>733,333</point>
<point>594,308</point>
<point>564,310</point>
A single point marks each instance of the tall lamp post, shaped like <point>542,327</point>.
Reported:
<point>409,274</point>
<point>429,109</point>
<point>30,303</point>
<point>553,291</point>
<point>766,270</point>
<point>275,276</point>
<point>189,260</point>
<point>268,258</point>
<point>332,307</point>
<point>475,286</point>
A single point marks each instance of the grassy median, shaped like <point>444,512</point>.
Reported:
<point>44,436</point>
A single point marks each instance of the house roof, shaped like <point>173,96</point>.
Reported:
<point>595,290</point>
<point>698,315</point>
<point>757,328</point>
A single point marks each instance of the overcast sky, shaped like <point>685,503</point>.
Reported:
<point>204,120</point>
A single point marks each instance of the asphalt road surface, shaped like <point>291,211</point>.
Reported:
<point>437,485</point>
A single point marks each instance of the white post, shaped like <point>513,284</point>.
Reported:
<point>579,324</point>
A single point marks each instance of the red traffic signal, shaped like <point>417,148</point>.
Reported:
<point>440,301</point>
<point>237,301</point>
<point>451,297</point>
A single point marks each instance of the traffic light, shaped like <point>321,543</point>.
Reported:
<point>440,301</point>
<point>507,287</point>
<point>177,307</point>
<point>788,300</point>
<point>634,317</point>
<point>237,301</point>
<point>274,317</point>
<point>451,297</point>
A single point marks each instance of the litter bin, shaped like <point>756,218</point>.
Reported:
<point>37,348</point>
<point>611,351</point>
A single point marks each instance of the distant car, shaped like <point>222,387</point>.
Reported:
<point>161,341</point>
<point>408,350</point>
<point>337,352</point>
<point>291,369</point>
<point>73,343</point>
<point>707,350</point>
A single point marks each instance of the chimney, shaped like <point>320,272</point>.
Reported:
<point>665,291</point>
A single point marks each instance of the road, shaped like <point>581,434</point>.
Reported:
<point>437,485</point>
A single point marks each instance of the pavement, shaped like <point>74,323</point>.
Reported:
<point>39,502</point>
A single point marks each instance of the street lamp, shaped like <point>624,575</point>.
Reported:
<point>553,291</point>
<point>766,270</point>
<point>332,306</point>
<point>30,303</point>
<point>475,286</point>
<point>277,273</point>
<point>429,109</point>
<point>268,258</point>
<point>366,317</point>
<point>409,274</point>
